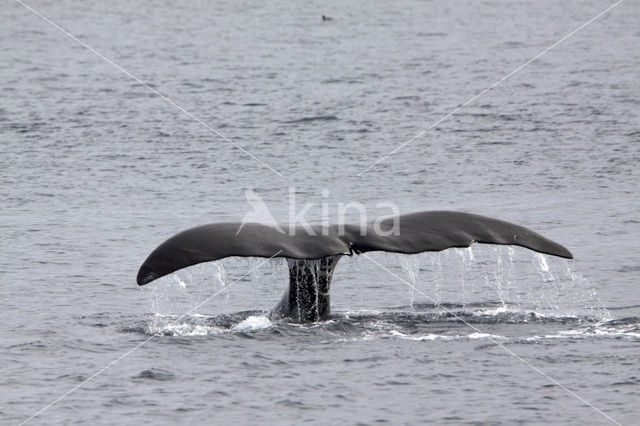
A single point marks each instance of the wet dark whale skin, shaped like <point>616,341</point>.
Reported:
<point>418,232</point>
<point>308,298</point>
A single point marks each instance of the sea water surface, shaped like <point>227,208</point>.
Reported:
<point>96,170</point>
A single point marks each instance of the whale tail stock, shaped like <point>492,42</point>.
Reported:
<point>312,258</point>
<point>308,297</point>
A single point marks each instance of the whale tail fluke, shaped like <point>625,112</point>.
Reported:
<point>312,257</point>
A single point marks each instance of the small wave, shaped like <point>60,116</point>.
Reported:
<point>155,374</point>
<point>497,315</point>
<point>432,336</point>
<point>432,34</point>
<point>511,315</point>
<point>615,329</point>
<point>313,118</point>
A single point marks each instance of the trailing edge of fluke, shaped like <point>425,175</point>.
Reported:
<point>417,232</point>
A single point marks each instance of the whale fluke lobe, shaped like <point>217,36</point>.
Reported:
<point>312,256</point>
<point>219,240</point>
<point>440,230</point>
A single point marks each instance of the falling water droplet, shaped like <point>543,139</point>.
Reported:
<point>543,266</point>
<point>410,267</point>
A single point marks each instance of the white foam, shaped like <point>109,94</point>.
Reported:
<point>422,338</point>
<point>597,331</point>
<point>432,336</point>
<point>163,325</point>
<point>185,330</point>
<point>483,336</point>
<point>493,312</point>
<point>252,323</point>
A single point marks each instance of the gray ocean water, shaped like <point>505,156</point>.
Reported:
<point>96,170</point>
